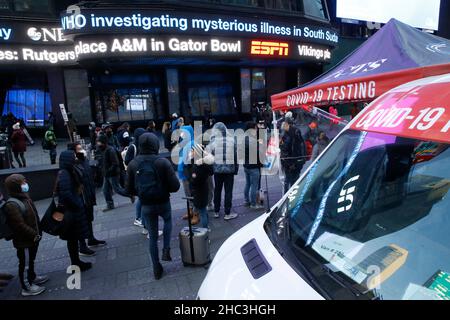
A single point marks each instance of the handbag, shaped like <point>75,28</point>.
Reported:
<point>53,222</point>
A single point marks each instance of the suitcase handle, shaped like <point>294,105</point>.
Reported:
<point>191,233</point>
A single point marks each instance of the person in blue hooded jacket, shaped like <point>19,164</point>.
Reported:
<point>185,144</point>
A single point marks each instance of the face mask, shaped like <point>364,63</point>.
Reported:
<point>25,188</point>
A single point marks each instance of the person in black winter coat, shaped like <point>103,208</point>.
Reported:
<point>152,208</point>
<point>198,173</point>
<point>111,173</point>
<point>132,152</point>
<point>292,153</point>
<point>69,191</point>
<point>84,170</point>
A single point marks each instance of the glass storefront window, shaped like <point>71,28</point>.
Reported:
<point>31,105</point>
<point>258,79</point>
<point>210,91</point>
<point>127,97</point>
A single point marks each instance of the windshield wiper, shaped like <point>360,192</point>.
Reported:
<point>344,283</point>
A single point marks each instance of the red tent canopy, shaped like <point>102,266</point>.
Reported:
<point>396,54</point>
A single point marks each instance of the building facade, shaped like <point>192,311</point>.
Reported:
<point>116,61</point>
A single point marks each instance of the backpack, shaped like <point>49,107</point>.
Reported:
<point>148,183</point>
<point>124,154</point>
<point>45,143</point>
<point>5,231</point>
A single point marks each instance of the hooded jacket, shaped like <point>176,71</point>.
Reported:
<point>133,149</point>
<point>69,192</point>
<point>109,159</point>
<point>185,147</point>
<point>224,148</point>
<point>149,151</point>
<point>25,227</point>
<point>198,173</point>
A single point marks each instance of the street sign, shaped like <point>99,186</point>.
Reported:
<point>63,112</point>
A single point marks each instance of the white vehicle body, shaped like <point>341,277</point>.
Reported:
<point>229,276</point>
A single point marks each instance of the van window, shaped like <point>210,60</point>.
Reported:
<point>373,214</point>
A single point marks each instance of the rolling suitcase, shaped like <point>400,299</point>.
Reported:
<point>194,243</point>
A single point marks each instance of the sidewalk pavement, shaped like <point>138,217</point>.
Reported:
<point>122,269</point>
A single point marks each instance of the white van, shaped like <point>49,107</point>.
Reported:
<point>369,219</point>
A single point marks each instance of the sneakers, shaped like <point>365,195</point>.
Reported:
<point>210,208</point>
<point>166,255</point>
<point>158,271</point>
<point>246,204</point>
<point>230,216</point>
<point>32,290</point>
<point>216,215</point>
<point>144,231</point>
<point>96,243</point>
<point>257,207</point>
<point>138,223</point>
<point>86,252</point>
<point>39,280</point>
<point>160,233</point>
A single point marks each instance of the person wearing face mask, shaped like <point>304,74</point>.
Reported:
<point>83,169</point>
<point>69,191</point>
<point>111,137</point>
<point>23,219</point>
<point>111,173</point>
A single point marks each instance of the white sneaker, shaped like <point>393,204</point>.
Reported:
<point>32,290</point>
<point>216,215</point>
<point>257,207</point>
<point>230,216</point>
<point>138,223</point>
<point>160,233</point>
<point>210,208</point>
<point>144,231</point>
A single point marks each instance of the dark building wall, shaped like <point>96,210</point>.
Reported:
<point>56,88</point>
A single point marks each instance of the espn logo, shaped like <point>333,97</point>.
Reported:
<point>269,48</point>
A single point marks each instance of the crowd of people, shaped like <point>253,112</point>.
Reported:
<point>129,164</point>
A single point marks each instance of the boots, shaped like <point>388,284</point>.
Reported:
<point>195,218</point>
<point>166,255</point>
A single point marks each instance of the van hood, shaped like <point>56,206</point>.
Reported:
<point>229,277</point>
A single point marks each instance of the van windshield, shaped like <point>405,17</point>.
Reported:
<point>371,219</point>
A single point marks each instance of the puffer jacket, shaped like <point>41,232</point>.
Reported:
<point>224,148</point>
<point>185,147</point>
<point>198,173</point>
<point>25,227</point>
<point>70,198</point>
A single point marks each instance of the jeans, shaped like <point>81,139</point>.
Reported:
<point>187,191</point>
<point>150,214</point>
<point>210,191</point>
<point>226,181</point>
<point>138,210</point>
<point>110,184</point>
<point>251,185</point>
<point>52,155</point>
<point>203,217</point>
<point>31,275</point>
